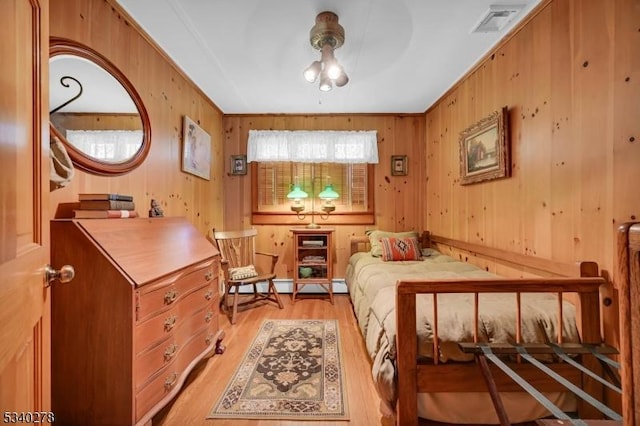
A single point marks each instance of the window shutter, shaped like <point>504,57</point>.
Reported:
<point>348,180</point>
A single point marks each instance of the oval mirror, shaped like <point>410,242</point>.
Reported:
<point>95,111</point>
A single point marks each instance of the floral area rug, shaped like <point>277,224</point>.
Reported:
<point>292,371</point>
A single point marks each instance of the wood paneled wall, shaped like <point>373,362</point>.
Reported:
<point>168,95</point>
<point>571,80</point>
<point>570,77</point>
<point>398,199</point>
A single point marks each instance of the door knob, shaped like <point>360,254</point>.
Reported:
<point>64,274</point>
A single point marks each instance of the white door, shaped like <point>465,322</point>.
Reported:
<point>24,228</point>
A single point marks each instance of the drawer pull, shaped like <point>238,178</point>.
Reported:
<point>208,339</point>
<point>170,297</point>
<point>208,295</point>
<point>170,352</point>
<point>208,317</point>
<point>170,322</point>
<point>170,381</point>
<point>208,276</point>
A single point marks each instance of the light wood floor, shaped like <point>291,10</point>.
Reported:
<point>209,378</point>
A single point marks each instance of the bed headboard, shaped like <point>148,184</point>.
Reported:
<point>545,266</point>
<point>361,242</point>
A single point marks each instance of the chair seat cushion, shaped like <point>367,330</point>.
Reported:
<point>242,272</point>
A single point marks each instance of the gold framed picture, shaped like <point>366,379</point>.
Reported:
<point>398,165</point>
<point>484,149</point>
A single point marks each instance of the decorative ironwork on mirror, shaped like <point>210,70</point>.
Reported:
<point>64,83</point>
<point>101,119</point>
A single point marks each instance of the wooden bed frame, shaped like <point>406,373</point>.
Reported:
<point>629,300</point>
<point>425,376</point>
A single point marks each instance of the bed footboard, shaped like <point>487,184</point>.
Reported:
<point>415,376</point>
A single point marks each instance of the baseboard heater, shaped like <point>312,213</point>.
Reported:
<point>285,286</point>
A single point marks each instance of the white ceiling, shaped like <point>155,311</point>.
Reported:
<point>248,55</point>
<point>101,92</point>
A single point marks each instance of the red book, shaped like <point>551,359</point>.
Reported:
<point>104,214</point>
<point>107,205</point>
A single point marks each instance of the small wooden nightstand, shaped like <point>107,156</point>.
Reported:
<point>313,259</point>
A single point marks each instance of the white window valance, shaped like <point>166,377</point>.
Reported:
<point>309,146</point>
<point>113,146</point>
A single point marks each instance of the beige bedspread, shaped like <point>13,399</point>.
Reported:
<point>371,283</point>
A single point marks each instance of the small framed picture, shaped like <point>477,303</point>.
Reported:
<point>238,164</point>
<point>398,165</point>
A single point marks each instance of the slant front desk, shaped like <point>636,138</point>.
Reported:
<point>140,313</point>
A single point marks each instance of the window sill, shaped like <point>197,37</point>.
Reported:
<point>277,218</point>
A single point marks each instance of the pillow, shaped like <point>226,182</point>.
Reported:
<point>394,249</point>
<point>242,272</point>
<point>374,239</point>
<point>428,252</point>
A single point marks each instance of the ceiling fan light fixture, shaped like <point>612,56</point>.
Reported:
<point>312,71</point>
<point>325,82</point>
<point>326,36</point>
<point>327,53</point>
<point>334,70</point>
<point>342,79</point>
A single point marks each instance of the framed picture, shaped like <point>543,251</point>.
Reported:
<point>484,149</point>
<point>238,164</point>
<point>398,165</point>
<point>196,149</point>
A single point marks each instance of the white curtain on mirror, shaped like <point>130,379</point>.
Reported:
<point>112,146</point>
<point>327,146</point>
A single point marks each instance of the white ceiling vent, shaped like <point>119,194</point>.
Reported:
<point>497,17</point>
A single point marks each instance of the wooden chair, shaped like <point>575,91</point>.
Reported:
<point>237,249</point>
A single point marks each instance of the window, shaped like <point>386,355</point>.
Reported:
<point>312,159</point>
<point>272,182</point>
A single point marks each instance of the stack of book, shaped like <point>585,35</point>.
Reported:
<point>104,206</point>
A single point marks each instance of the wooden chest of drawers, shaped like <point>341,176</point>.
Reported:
<point>139,315</point>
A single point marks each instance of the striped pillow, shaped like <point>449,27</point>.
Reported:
<point>394,249</point>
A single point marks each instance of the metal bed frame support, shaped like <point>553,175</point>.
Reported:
<point>487,352</point>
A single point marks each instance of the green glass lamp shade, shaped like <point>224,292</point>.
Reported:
<point>297,193</point>
<point>328,193</point>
